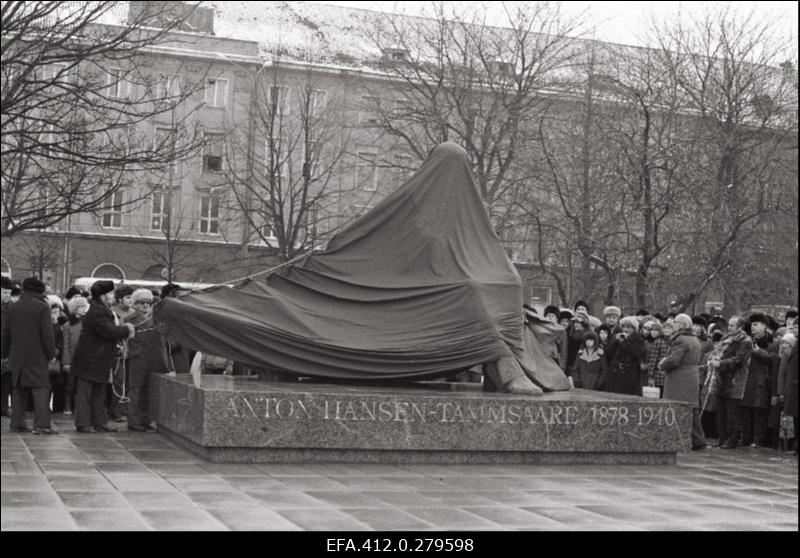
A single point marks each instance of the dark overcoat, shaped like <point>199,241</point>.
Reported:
<point>789,384</point>
<point>97,345</point>
<point>623,373</point>
<point>28,340</point>
<point>146,352</point>
<point>764,362</point>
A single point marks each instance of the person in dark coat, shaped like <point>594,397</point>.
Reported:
<point>28,343</point>
<point>590,364</point>
<point>682,375</point>
<point>624,353</point>
<point>787,385</point>
<point>764,363</point>
<point>5,377</point>
<point>146,355</point>
<point>94,358</point>
<point>730,376</point>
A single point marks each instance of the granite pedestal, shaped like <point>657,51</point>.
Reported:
<point>247,420</point>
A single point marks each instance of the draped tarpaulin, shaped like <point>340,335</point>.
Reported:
<point>418,286</point>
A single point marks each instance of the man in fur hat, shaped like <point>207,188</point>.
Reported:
<point>29,344</point>
<point>762,374</point>
<point>611,316</point>
<point>94,358</point>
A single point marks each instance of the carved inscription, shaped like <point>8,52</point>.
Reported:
<point>248,406</point>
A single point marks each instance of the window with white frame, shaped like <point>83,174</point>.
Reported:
<point>216,92</point>
<point>213,146</point>
<point>367,171</point>
<point>159,210</point>
<point>279,100</point>
<point>316,102</point>
<point>312,155</point>
<point>209,214</point>
<point>112,210</point>
<point>369,111</point>
<point>168,85</point>
<point>117,84</point>
<point>163,139</point>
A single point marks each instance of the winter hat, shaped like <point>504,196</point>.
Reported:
<point>141,294</point>
<point>609,310</point>
<point>33,285</point>
<point>789,314</point>
<point>790,339</point>
<point>654,325</point>
<point>631,321</point>
<point>99,288</point>
<point>682,321</point>
<point>700,320</point>
<point>123,290</point>
<point>54,301</point>
<point>551,309</point>
<point>642,312</point>
<point>7,283</point>
<point>72,291</point>
<point>75,303</point>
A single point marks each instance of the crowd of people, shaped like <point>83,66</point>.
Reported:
<point>89,355</point>
<point>739,374</point>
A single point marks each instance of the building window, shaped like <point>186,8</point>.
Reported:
<point>367,172</point>
<point>316,102</point>
<point>159,210</point>
<point>117,85</point>
<point>312,157</point>
<point>279,100</point>
<point>265,226</point>
<point>169,85</point>
<point>108,271</point>
<point>216,92</point>
<point>209,214</point>
<point>212,152</point>
<point>369,114</point>
<point>112,210</point>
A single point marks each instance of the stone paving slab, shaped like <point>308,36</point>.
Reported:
<point>141,482</point>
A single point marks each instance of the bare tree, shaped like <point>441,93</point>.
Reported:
<point>76,85</point>
<point>286,173</point>
<point>459,79</point>
<point>731,74</point>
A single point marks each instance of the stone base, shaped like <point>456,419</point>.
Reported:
<point>246,420</point>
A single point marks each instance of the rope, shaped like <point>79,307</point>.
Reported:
<point>115,370</point>
<point>270,270</point>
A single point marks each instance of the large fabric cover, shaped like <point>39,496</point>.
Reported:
<point>418,286</point>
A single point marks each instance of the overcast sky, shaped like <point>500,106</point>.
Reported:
<point>619,22</point>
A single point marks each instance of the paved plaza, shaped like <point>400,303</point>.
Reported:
<point>135,481</point>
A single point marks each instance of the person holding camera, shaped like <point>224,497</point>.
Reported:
<point>624,353</point>
<point>94,358</point>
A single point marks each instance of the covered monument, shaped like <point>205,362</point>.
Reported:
<point>417,287</point>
